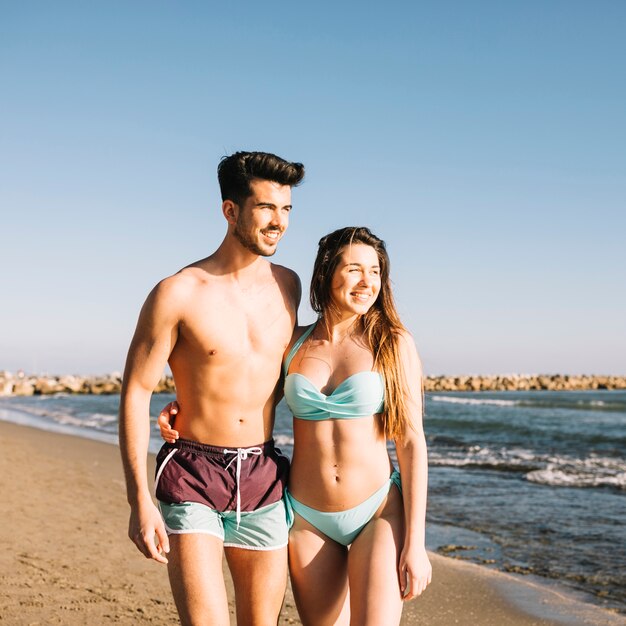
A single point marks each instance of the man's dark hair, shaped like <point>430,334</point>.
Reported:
<point>237,170</point>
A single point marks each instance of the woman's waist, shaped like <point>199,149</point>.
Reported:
<point>340,435</point>
<point>337,486</point>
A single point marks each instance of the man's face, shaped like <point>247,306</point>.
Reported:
<point>264,217</point>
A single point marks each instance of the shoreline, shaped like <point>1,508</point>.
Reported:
<point>80,567</point>
<point>21,384</point>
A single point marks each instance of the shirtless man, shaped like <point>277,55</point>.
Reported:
<point>223,324</point>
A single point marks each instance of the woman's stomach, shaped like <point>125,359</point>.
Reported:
<point>337,464</point>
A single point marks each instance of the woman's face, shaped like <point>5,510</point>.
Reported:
<point>355,284</point>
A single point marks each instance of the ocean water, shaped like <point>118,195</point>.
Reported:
<point>527,482</point>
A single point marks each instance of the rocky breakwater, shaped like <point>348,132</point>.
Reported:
<point>23,385</point>
<point>524,382</point>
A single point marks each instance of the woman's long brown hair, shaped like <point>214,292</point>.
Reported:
<point>381,325</point>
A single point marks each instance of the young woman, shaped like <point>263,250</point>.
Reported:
<point>353,381</point>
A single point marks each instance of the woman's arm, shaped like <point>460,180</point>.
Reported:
<point>165,422</point>
<point>414,567</point>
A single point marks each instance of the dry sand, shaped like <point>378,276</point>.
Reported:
<point>65,557</point>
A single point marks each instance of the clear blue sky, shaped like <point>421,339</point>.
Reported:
<point>484,141</point>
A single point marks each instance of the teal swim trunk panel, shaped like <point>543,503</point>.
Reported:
<point>191,517</point>
<point>263,529</point>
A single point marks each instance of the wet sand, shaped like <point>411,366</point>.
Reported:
<point>65,557</point>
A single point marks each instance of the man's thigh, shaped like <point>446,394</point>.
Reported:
<point>196,578</point>
<point>256,551</point>
<point>260,580</point>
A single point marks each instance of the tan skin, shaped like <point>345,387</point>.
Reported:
<point>231,312</point>
<point>337,464</point>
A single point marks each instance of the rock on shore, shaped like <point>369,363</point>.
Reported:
<point>24,385</point>
<point>524,382</point>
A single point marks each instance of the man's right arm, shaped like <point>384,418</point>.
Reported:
<point>154,339</point>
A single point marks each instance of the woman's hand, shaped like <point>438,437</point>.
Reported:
<point>165,422</point>
<point>415,571</point>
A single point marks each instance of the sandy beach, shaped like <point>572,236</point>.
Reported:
<point>66,558</point>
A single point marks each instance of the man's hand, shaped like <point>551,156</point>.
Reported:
<point>165,422</point>
<point>145,522</point>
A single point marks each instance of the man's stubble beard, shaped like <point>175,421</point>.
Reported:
<point>249,243</point>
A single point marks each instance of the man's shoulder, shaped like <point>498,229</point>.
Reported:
<point>180,285</point>
<point>284,274</point>
<point>288,281</point>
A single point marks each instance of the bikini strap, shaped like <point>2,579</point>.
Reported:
<point>296,346</point>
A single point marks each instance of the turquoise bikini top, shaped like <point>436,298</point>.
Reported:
<point>359,395</point>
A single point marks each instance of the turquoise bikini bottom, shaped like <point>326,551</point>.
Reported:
<point>342,526</point>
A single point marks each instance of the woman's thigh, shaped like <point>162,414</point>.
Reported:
<point>373,566</point>
<point>318,567</point>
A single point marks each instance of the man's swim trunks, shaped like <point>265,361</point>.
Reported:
<point>235,494</point>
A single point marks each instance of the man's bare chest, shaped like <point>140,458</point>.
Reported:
<point>234,326</point>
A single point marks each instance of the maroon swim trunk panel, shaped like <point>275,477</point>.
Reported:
<point>197,472</point>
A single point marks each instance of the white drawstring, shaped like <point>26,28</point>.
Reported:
<point>242,455</point>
